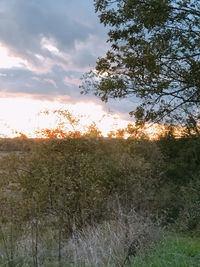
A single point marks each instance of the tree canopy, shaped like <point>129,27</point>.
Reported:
<point>154,55</point>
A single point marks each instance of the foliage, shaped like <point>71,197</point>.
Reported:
<point>189,216</point>
<point>68,126</point>
<point>181,171</point>
<point>182,158</point>
<point>154,56</point>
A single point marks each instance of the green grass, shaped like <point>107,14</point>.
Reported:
<point>171,252</point>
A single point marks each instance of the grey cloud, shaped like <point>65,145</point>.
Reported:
<point>84,58</point>
<point>122,106</point>
<point>50,85</point>
<point>72,25</point>
<point>74,28</point>
<point>25,81</point>
<point>24,23</point>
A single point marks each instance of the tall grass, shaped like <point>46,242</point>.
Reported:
<point>105,244</point>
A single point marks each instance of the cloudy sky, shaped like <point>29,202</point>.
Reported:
<point>46,46</point>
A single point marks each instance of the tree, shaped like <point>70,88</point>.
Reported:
<point>93,131</point>
<point>154,55</point>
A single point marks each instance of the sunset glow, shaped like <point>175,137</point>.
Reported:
<point>22,114</point>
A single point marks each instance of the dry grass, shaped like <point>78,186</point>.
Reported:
<point>109,243</point>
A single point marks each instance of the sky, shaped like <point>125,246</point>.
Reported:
<point>45,48</point>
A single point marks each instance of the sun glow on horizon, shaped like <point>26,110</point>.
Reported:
<point>27,115</point>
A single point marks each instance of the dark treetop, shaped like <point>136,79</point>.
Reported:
<point>154,55</point>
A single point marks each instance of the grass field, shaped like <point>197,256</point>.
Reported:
<point>171,252</point>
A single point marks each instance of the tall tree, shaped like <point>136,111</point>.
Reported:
<point>154,55</point>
